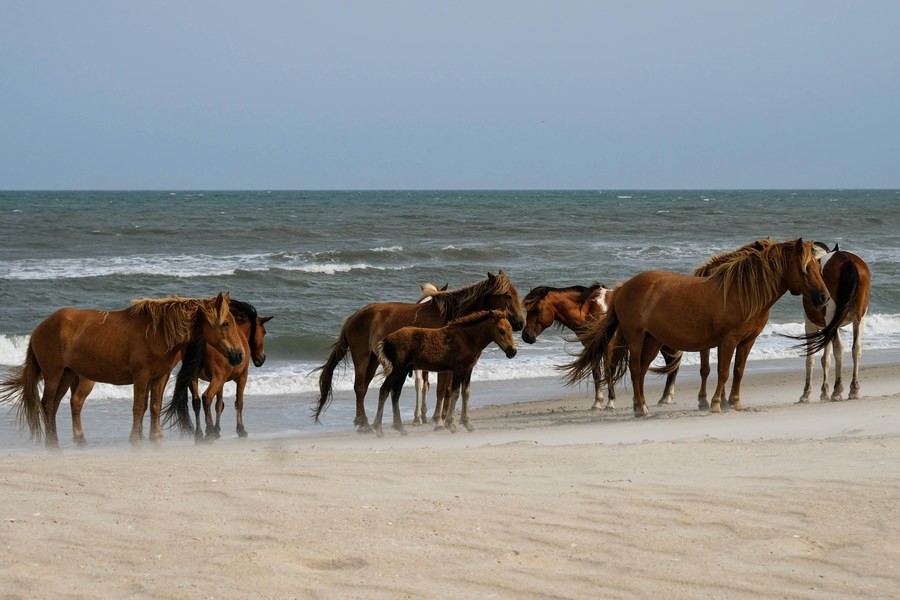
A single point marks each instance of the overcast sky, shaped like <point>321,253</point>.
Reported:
<point>449,95</point>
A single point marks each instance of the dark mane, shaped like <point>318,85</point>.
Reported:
<point>453,303</point>
<point>540,292</point>
<point>590,292</point>
<point>246,311</point>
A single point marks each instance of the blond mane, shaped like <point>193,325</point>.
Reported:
<point>453,303</point>
<point>173,318</point>
<point>753,272</point>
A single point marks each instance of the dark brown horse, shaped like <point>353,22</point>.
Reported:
<point>576,307</point>
<point>366,327</point>
<point>720,310</point>
<point>136,346</point>
<point>454,348</point>
<point>848,279</point>
<point>211,366</point>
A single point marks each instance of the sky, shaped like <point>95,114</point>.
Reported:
<point>455,94</point>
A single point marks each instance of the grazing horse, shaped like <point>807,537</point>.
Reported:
<point>138,346</point>
<point>848,280</point>
<point>454,348</point>
<point>721,309</point>
<point>576,307</point>
<point>214,368</point>
<point>366,327</point>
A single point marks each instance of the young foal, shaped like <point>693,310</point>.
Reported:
<point>848,280</point>
<point>455,347</point>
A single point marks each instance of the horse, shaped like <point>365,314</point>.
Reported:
<point>362,331</point>
<point>575,307</point>
<point>454,348</point>
<point>214,368</point>
<point>720,310</point>
<point>139,346</point>
<point>848,280</point>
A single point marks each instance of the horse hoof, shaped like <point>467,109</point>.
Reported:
<point>242,433</point>
<point>418,421</point>
<point>469,428</point>
<point>364,429</point>
<point>379,433</point>
<point>803,400</point>
<point>403,432</point>
<point>715,408</point>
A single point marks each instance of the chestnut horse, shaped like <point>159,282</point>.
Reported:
<point>691,313</point>
<point>211,366</point>
<point>454,348</point>
<point>137,346</point>
<point>848,280</point>
<point>366,327</point>
<point>576,307</point>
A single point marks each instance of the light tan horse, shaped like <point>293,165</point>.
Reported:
<point>848,279</point>
<point>721,310</point>
<point>136,346</point>
<point>366,327</point>
<point>454,348</point>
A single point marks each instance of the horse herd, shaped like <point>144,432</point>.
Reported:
<point>724,305</point>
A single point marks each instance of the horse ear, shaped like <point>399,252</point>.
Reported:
<point>491,276</point>
<point>835,247</point>
<point>265,319</point>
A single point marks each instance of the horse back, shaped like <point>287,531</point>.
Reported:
<point>372,323</point>
<point>848,280</point>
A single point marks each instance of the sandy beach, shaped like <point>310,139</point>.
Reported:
<point>543,500</point>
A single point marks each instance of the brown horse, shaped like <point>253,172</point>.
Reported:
<point>136,346</point>
<point>721,310</point>
<point>366,327</point>
<point>576,307</point>
<point>211,366</point>
<point>848,279</point>
<point>454,348</point>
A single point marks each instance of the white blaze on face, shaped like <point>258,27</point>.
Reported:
<point>602,299</point>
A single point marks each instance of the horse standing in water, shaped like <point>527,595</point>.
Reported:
<point>138,346</point>
<point>848,279</point>
<point>690,313</point>
<point>366,327</point>
<point>211,366</point>
<point>576,307</point>
<point>454,348</point>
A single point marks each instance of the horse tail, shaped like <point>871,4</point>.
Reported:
<point>387,355</point>
<point>597,352</point>
<point>336,355</point>
<point>847,292</point>
<point>176,411</point>
<point>672,366</point>
<point>23,382</point>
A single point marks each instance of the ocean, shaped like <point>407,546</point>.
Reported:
<point>311,258</point>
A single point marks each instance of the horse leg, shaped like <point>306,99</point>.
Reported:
<point>81,388</point>
<point>857,355</point>
<point>451,404</point>
<point>382,396</point>
<point>196,402</point>
<point>157,388</point>
<point>421,397</point>
<point>395,405</point>
<point>220,406</point>
<point>141,391</point>
<point>668,395</point>
<point>635,366</point>
<point>442,401</point>
<point>239,405</point>
<point>54,389</point>
<point>725,352</point>
<point>740,361</point>
<point>363,377</point>
<point>702,402</point>
<point>464,415</point>
<point>598,391</point>
<point>838,347</point>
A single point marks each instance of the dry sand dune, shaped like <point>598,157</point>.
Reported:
<point>544,500</point>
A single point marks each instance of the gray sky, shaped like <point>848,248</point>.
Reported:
<point>456,94</point>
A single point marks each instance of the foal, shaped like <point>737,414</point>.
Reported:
<point>456,347</point>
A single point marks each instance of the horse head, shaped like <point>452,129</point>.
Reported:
<point>259,353</point>
<point>506,298</point>
<point>220,330</point>
<point>803,274</point>
<point>539,314</point>
<point>502,333</point>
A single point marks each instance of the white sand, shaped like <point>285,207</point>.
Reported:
<point>544,500</point>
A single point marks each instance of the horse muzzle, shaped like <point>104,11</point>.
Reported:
<point>235,357</point>
<point>510,352</point>
<point>529,336</point>
<point>819,298</point>
<point>517,322</point>
<point>258,361</point>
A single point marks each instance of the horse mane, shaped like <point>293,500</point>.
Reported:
<point>752,271</point>
<point>476,318</point>
<point>245,311</point>
<point>540,292</point>
<point>451,304</point>
<point>173,318</point>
